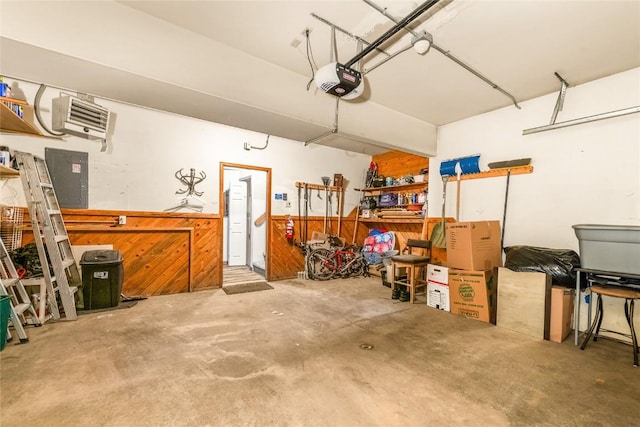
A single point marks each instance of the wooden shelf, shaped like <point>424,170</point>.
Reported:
<point>391,221</point>
<point>14,100</point>
<point>517,170</point>
<point>415,185</point>
<point>10,122</point>
<point>403,206</point>
<point>6,172</point>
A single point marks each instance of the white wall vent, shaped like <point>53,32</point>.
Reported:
<point>79,117</point>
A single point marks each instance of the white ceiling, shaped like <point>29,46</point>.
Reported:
<point>517,45</point>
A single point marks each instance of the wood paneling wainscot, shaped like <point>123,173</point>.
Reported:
<point>286,258</point>
<point>163,253</point>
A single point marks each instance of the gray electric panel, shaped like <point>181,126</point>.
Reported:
<point>70,176</point>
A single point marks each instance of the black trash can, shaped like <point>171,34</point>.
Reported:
<point>102,276</point>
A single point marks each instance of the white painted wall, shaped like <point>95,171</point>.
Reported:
<point>582,174</point>
<point>147,148</point>
<point>170,50</point>
<point>588,173</point>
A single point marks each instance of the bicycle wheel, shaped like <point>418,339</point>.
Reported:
<point>360,267</point>
<point>365,266</point>
<point>321,264</point>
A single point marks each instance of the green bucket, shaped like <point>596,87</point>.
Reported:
<point>5,311</point>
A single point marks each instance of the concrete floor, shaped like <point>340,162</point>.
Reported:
<point>292,356</point>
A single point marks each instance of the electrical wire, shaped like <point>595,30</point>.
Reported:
<point>310,59</point>
<point>36,109</point>
<point>248,146</point>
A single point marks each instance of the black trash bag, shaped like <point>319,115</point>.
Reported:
<point>558,263</point>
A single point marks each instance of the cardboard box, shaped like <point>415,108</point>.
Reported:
<point>438,296</point>
<point>561,313</point>
<point>472,294</point>
<point>438,274</point>
<point>474,245</point>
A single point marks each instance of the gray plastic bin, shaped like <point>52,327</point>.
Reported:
<point>102,276</point>
<point>614,248</point>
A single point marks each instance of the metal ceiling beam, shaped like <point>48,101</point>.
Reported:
<point>445,53</point>
<point>343,31</point>
<point>393,30</point>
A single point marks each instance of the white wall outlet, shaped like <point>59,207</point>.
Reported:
<point>122,219</point>
<point>288,204</point>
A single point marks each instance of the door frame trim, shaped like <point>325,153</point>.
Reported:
<point>224,165</point>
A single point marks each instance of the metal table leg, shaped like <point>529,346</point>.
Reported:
<point>576,312</point>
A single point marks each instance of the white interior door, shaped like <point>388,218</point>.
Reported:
<point>247,181</point>
<point>237,224</point>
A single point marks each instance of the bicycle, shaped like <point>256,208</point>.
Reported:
<point>348,261</point>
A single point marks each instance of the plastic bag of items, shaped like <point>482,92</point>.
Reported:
<point>558,263</point>
<point>377,244</point>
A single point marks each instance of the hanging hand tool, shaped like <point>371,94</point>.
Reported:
<point>508,164</point>
<point>424,234</point>
<point>325,181</point>
<point>300,211</point>
<point>340,204</point>
<point>438,238</point>
<point>355,225</point>
<point>504,214</point>
<point>330,211</point>
<point>459,176</point>
<point>306,211</point>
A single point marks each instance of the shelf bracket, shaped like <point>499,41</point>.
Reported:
<point>560,101</point>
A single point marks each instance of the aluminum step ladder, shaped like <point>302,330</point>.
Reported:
<point>22,311</point>
<point>50,234</point>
